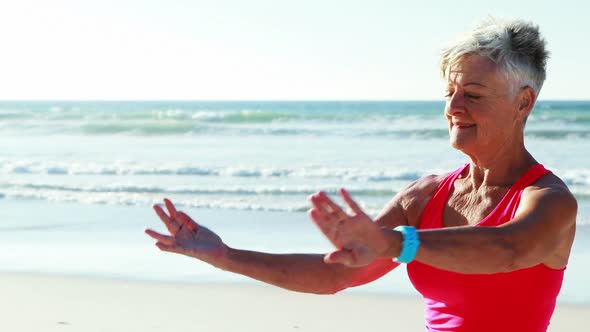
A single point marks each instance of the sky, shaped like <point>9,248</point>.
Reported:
<point>262,49</point>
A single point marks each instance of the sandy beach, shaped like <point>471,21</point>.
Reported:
<point>50,303</point>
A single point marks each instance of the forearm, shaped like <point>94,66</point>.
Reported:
<point>297,272</point>
<point>470,250</point>
<point>465,249</point>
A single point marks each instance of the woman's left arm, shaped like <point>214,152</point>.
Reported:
<point>541,232</point>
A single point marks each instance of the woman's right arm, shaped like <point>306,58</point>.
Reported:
<point>309,273</point>
<point>306,273</point>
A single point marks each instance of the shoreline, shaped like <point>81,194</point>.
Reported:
<point>36,302</point>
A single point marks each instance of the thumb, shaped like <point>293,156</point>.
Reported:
<point>169,248</point>
<point>341,256</point>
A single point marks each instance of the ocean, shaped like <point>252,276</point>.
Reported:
<point>78,178</point>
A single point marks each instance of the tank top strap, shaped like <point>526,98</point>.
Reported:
<point>507,207</point>
<point>432,214</point>
<point>531,176</point>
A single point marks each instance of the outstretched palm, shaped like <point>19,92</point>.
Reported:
<point>358,240</point>
<point>186,236</point>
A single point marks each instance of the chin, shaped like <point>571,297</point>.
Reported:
<point>460,144</point>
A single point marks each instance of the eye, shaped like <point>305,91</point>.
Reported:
<point>472,96</point>
<point>448,94</point>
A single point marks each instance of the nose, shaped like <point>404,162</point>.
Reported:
<point>455,104</point>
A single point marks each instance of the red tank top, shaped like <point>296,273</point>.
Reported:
<point>519,301</point>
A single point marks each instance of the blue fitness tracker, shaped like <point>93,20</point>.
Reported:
<point>410,244</point>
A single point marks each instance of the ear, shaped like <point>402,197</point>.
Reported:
<point>526,101</point>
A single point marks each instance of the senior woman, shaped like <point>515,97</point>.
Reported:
<point>486,245</point>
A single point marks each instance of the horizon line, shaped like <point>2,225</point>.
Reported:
<point>252,100</point>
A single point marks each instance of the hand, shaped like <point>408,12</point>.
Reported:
<point>357,238</point>
<point>187,237</point>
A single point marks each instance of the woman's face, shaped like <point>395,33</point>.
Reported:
<point>481,111</point>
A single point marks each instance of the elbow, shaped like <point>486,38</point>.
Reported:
<point>336,290</point>
<point>510,254</point>
<point>338,279</point>
<point>517,255</point>
<point>521,259</point>
<point>515,261</point>
<point>332,286</point>
<point>331,289</point>
<point>327,292</point>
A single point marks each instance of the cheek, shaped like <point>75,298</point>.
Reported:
<point>447,116</point>
<point>495,129</point>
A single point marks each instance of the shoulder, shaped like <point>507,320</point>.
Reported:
<point>550,191</point>
<point>546,216</point>
<point>409,202</point>
<point>423,187</point>
<point>416,196</point>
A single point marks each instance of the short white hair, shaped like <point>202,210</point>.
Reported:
<point>515,46</point>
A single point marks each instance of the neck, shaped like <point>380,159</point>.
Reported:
<point>500,167</point>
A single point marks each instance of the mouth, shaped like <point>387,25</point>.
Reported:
<point>459,125</point>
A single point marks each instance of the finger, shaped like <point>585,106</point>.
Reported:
<point>169,248</point>
<point>188,221</point>
<point>171,225</point>
<point>314,199</point>
<point>171,208</point>
<point>165,239</point>
<point>342,256</point>
<point>353,205</point>
<point>322,202</point>
<point>326,226</point>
